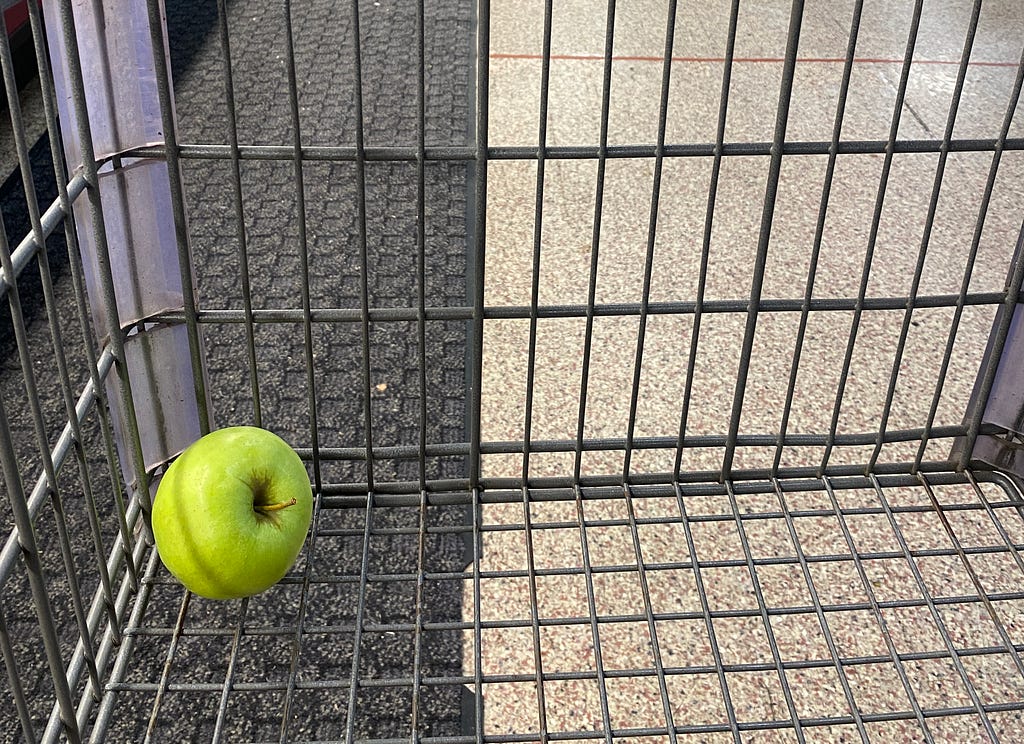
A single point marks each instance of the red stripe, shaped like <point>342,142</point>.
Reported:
<point>755,60</point>
<point>15,17</point>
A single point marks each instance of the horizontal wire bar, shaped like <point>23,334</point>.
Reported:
<point>379,682</point>
<point>525,312</point>
<point>466,530</point>
<point>723,563</point>
<point>308,153</point>
<point>50,220</point>
<point>410,153</point>
<point>574,621</point>
<point>704,728</point>
<point>662,490</point>
<point>454,491</point>
<point>676,59</point>
<point>656,521</point>
<point>648,521</point>
<point>452,449</point>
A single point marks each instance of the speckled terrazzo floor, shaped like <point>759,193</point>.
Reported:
<point>810,615</point>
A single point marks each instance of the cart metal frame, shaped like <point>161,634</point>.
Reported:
<point>90,675</point>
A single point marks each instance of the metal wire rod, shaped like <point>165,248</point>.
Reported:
<point>600,310</point>
<point>397,153</point>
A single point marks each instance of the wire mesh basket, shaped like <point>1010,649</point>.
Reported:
<point>657,367</point>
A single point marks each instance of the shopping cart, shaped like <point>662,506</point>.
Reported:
<point>669,390</point>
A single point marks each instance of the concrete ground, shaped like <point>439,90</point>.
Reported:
<point>575,697</point>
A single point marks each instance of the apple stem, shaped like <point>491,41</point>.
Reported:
<point>275,507</point>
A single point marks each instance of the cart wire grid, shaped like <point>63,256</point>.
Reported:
<point>656,366</point>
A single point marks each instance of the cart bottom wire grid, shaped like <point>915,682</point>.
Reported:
<point>882,608</point>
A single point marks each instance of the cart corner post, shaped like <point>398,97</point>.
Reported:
<point>112,78</point>
<point>998,397</point>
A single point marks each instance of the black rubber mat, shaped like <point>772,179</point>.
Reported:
<point>299,678</point>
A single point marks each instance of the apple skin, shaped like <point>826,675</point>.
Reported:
<point>232,512</point>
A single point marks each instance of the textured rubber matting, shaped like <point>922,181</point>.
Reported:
<point>330,608</point>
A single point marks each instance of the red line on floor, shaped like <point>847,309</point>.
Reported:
<point>756,60</point>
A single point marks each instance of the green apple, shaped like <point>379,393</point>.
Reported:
<point>232,512</point>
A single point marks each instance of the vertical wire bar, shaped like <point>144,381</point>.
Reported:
<point>107,294</point>
<point>52,487</point>
<point>767,217</point>
<point>933,611</point>
<point>71,239</point>
<point>417,657</point>
<point>652,233</point>
<point>97,536</point>
<point>816,601</point>
<point>819,230</point>
<point>111,637</point>
<point>971,258</point>
<point>538,659</point>
<point>360,162</point>
<point>645,590</point>
<point>933,204</point>
<point>124,651</point>
<point>705,607</point>
<point>165,674</point>
<point>300,208</point>
<point>125,531</point>
<point>998,340</point>
<point>236,185</point>
<point>709,215</point>
<point>364,570</point>
<point>588,574</point>
<point>595,240</point>
<point>28,372</point>
<point>364,263</point>
<point>538,230</point>
<point>17,691</point>
<point>229,676</point>
<point>478,686</point>
<point>883,181</point>
<point>762,606</point>
<point>10,87</point>
<point>170,132</point>
<point>15,487</point>
<point>479,255</point>
<point>30,554</point>
<point>876,611</point>
<point>421,237</point>
<point>300,619</point>
<point>972,574</point>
